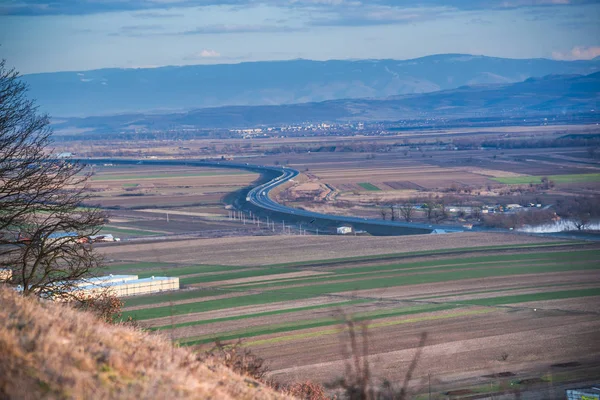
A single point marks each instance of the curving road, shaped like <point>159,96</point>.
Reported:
<point>259,196</point>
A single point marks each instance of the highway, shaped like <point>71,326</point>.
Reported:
<point>259,197</point>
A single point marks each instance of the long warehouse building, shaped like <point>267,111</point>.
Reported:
<point>129,285</point>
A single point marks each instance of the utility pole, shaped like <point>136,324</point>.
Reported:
<point>429,376</point>
<point>167,218</point>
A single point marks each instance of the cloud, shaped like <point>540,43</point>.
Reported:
<point>378,15</point>
<point>206,53</point>
<point>83,7</point>
<point>223,29</point>
<point>139,30</point>
<point>578,53</point>
<point>156,15</point>
<point>533,3</point>
<point>149,7</point>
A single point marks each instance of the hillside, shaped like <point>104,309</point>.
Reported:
<point>168,89</point>
<point>546,96</point>
<point>48,350</point>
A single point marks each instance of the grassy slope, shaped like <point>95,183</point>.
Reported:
<point>48,350</point>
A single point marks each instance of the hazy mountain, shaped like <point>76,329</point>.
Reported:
<point>553,94</point>
<point>168,89</point>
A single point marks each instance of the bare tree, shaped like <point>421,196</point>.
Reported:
<point>383,212</point>
<point>43,220</point>
<point>392,212</point>
<point>406,210</point>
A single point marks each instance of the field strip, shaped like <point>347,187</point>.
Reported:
<point>515,292</point>
<point>231,269</point>
<point>189,272</point>
<point>392,270</point>
<point>378,283</point>
<point>130,231</point>
<point>480,285</point>
<point>260,314</point>
<point>374,325</point>
<point>241,309</point>
<point>521,298</point>
<point>375,270</point>
<point>314,290</point>
<point>172,175</point>
<point>268,278</point>
<point>573,178</point>
<point>310,324</point>
<point>242,251</point>
<point>495,173</point>
<point>269,286</point>
<point>589,304</point>
<point>480,259</point>
<point>184,213</point>
<point>250,273</point>
<point>202,295</point>
<point>449,251</point>
<point>501,289</point>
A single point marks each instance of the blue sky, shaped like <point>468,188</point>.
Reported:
<point>44,36</point>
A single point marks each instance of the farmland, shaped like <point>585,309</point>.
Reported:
<point>487,294</point>
<point>147,201</point>
<point>489,303</point>
<point>577,178</point>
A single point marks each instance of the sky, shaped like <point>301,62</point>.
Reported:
<point>74,35</point>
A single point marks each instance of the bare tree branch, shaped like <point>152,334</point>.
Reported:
<point>44,221</point>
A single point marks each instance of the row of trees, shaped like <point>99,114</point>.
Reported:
<point>43,215</point>
<point>433,208</point>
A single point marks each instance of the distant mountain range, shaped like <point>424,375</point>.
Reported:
<point>549,95</point>
<point>170,89</point>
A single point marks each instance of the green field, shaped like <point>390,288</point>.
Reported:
<point>368,186</point>
<point>524,180</point>
<point>375,276</point>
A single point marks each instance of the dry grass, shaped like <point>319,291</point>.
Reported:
<point>49,350</point>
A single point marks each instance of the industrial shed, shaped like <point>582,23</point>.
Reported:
<point>103,280</point>
<point>131,287</point>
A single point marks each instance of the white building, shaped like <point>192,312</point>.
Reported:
<point>127,285</point>
<point>344,230</point>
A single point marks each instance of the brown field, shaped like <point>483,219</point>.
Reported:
<point>282,249</point>
<point>140,197</point>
